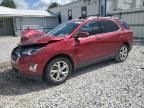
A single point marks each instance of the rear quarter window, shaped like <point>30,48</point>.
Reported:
<point>108,26</point>
<point>125,25</point>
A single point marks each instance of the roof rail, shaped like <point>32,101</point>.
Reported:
<point>92,17</point>
<point>115,18</point>
<point>97,16</point>
<point>100,17</point>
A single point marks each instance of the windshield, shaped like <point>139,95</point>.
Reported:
<point>64,29</point>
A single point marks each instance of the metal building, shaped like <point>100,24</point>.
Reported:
<point>135,19</point>
<point>13,21</point>
<point>131,11</point>
<point>77,9</point>
<point>82,8</point>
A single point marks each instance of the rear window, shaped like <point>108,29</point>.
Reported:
<point>125,25</point>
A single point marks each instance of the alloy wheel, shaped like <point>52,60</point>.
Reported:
<point>59,70</point>
<point>123,53</point>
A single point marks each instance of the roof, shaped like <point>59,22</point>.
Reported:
<point>9,12</point>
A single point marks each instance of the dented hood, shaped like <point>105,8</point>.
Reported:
<point>41,40</point>
<point>30,33</point>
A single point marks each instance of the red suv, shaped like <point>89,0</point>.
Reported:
<point>71,45</point>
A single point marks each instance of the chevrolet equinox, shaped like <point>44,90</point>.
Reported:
<point>55,55</point>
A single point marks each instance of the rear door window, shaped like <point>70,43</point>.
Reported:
<point>108,26</point>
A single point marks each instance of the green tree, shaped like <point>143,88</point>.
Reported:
<point>53,5</point>
<point>8,3</point>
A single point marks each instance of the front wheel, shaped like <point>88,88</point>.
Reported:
<point>122,53</point>
<point>58,70</point>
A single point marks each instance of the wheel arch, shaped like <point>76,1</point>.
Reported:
<point>126,43</point>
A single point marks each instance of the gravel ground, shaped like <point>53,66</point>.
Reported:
<point>104,85</point>
<point>7,43</point>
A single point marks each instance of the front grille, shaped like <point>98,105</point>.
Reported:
<point>14,57</point>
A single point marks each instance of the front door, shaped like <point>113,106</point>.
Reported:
<point>89,48</point>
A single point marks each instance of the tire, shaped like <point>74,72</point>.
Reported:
<point>122,54</point>
<point>58,70</point>
<point>14,69</point>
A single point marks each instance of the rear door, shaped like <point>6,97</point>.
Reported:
<point>110,37</point>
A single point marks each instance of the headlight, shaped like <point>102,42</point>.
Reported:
<point>30,51</point>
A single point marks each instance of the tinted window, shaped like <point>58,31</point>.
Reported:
<point>64,29</point>
<point>84,12</point>
<point>59,18</point>
<point>92,28</point>
<point>108,26</point>
<point>69,14</point>
<point>125,25</point>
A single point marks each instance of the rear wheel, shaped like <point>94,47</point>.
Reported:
<point>58,70</point>
<point>122,53</point>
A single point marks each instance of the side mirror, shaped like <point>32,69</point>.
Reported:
<point>83,34</point>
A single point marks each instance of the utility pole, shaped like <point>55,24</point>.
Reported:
<point>102,7</point>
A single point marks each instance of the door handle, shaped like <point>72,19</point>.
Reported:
<point>98,38</point>
<point>121,35</point>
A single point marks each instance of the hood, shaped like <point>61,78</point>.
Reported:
<point>41,40</point>
<point>30,33</point>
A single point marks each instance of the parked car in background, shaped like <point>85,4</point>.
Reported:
<point>71,45</point>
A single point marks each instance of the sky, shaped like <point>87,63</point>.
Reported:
<point>37,4</point>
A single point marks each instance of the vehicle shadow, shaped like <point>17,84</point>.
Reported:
<point>12,84</point>
<point>92,67</point>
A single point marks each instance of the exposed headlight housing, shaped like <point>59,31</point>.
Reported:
<point>30,51</point>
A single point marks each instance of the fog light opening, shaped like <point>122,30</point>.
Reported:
<point>33,67</point>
